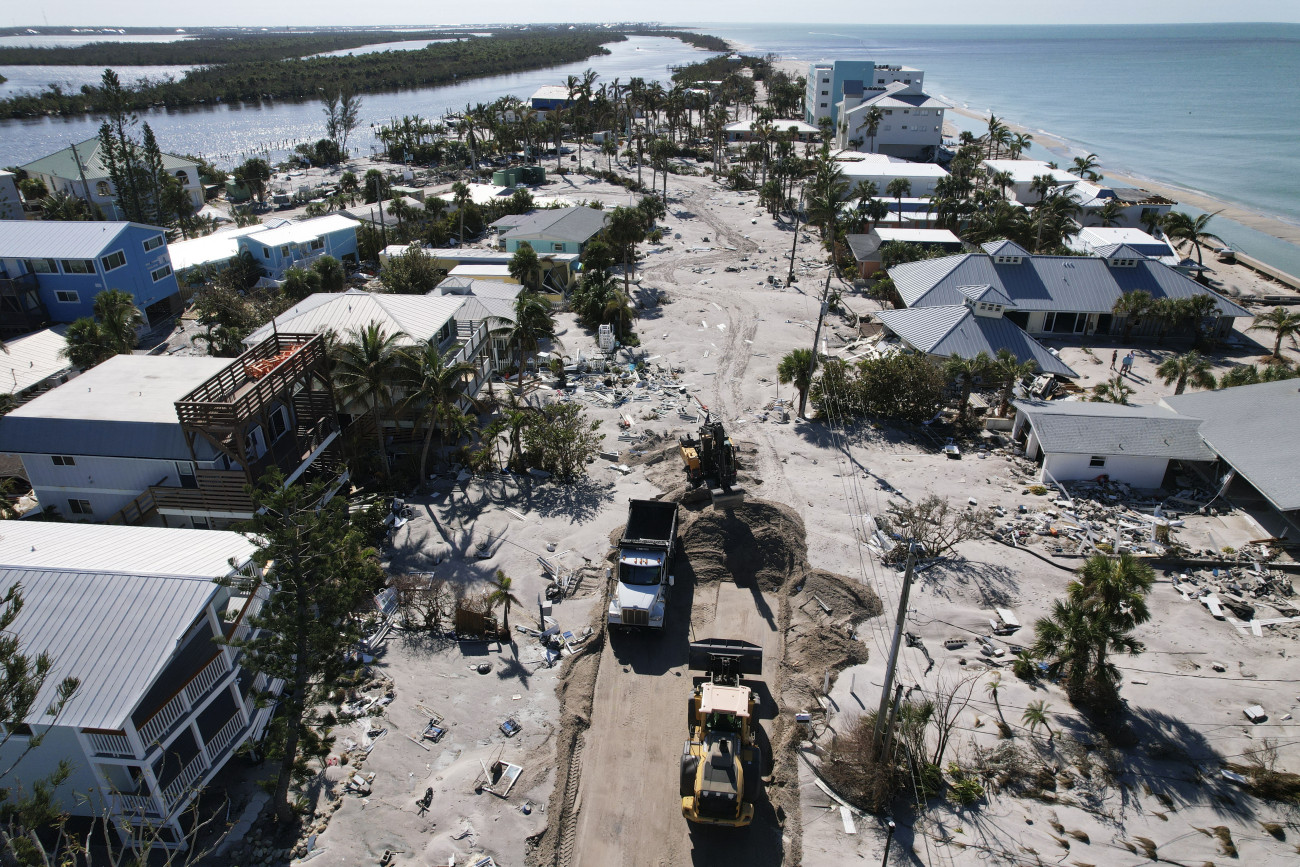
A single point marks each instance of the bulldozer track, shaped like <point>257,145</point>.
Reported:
<point>571,808</point>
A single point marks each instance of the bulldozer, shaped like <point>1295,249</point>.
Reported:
<point>711,459</point>
<point>722,764</point>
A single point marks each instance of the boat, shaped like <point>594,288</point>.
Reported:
<point>951,449</point>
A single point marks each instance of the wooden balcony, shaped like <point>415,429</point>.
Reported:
<point>219,492</point>
<point>246,388</point>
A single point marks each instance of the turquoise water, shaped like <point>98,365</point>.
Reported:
<point>1213,108</point>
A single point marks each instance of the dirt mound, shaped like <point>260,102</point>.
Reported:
<point>845,597</point>
<point>755,543</point>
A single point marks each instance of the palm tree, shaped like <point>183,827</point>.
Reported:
<point>1011,370</point>
<point>119,318</point>
<point>433,381</point>
<point>533,322</point>
<point>364,372</point>
<point>794,368</point>
<point>1110,213</point>
<point>299,283</point>
<point>1020,142</point>
<point>87,344</point>
<point>1114,587</point>
<point>461,195</point>
<point>992,687</point>
<point>1281,322</point>
<point>331,273</point>
<point>872,122</point>
<point>1132,305</point>
<point>526,267</point>
<point>502,597</point>
<point>515,419</point>
<point>1190,367</point>
<point>898,188</point>
<point>967,372</point>
<point>1053,220</point>
<point>1184,227</point>
<point>1043,185</point>
<point>1002,180</point>
<point>1114,390</point>
<point>1086,167</point>
<point>626,228</point>
<point>1035,715</point>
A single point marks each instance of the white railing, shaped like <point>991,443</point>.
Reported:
<point>184,782</point>
<point>251,609</point>
<point>118,746</point>
<point>135,806</point>
<point>161,722</point>
<point>250,702</point>
<point>206,678</point>
<point>228,733</point>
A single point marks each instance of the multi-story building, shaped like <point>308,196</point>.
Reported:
<point>825,87</point>
<point>909,121</point>
<point>135,614</point>
<point>175,440</point>
<point>79,170</point>
<point>61,267</point>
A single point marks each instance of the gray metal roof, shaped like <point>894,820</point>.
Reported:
<point>37,239</point>
<point>62,164</point>
<point>109,604</point>
<point>1003,248</point>
<point>1087,428</point>
<point>956,330</point>
<point>986,293</point>
<point>418,317</point>
<point>124,407</point>
<point>1252,427</point>
<point>564,224</point>
<point>1078,284</point>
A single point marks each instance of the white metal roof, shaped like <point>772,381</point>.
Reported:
<point>551,91</point>
<point>118,548</point>
<point>419,317</point>
<point>56,239</point>
<point>917,236</point>
<point>306,230</point>
<point>215,249</point>
<point>779,125</point>
<point>32,358</point>
<point>1024,171</point>
<point>480,271</point>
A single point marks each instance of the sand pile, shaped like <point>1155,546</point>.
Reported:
<point>756,543</point>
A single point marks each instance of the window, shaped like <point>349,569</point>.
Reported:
<point>78,266</point>
<point>160,273</point>
<point>103,189</point>
<point>880,81</point>
<point>888,127</point>
<point>907,81</point>
<point>42,266</point>
<point>1097,461</point>
<point>938,112</point>
<point>316,244</point>
<point>826,93</point>
<point>153,243</point>
<point>63,460</point>
<point>284,251</point>
<point>116,259</point>
<point>558,248</point>
<point>907,111</point>
<point>63,296</point>
<point>254,443</point>
<point>80,507</point>
<point>904,126</point>
<point>823,105</point>
<point>266,252</point>
<point>18,729</point>
<point>182,177</point>
<point>279,423</point>
<point>889,111</point>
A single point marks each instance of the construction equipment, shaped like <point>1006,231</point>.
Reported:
<point>645,563</point>
<point>712,458</point>
<point>722,765</point>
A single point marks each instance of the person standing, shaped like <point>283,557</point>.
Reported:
<point>1114,355</point>
<point>1127,367</point>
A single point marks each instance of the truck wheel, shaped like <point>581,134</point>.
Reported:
<point>690,764</point>
<point>690,716</point>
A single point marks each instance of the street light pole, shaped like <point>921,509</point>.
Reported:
<point>889,838</point>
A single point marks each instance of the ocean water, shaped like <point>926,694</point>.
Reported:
<point>1213,108</point>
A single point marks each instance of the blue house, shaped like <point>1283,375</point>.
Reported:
<point>291,245</point>
<point>549,97</point>
<point>63,266</point>
<point>563,230</point>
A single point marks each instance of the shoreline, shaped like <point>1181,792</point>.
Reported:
<point>1267,224</point>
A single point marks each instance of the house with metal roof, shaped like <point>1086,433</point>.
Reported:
<point>550,97</point>
<point>59,267</point>
<point>1023,173</point>
<point>1251,428</point>
<point>942,332</point>
<point>559,270</point>
<point>299,244</point>
<point>1063,295</point>
<point>743,130</point>
<point>911,121</point>
<point>866,247</point>
<point>1137,207</point>
<point>558,230</point>
<point>11,202</point>
<point>176,440</point>
<point>1077,440</point>
<point>134,614</point>
<point>881,169</point>
<point>79,170</point>
<point>34,363</point>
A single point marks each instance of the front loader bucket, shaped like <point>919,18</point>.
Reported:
<point>724,498</point>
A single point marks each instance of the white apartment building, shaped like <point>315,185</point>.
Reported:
<point>910,124</point>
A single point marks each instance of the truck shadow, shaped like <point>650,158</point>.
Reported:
<point>655,653</point>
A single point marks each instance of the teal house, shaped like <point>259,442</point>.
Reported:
<point>564,230</point>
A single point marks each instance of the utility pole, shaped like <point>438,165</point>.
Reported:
<point>817,333</point>
<point>82,171</point>
<point>889,838</point>
<point>893,720</point>
<point>899,622</point>
<point>789,278</point>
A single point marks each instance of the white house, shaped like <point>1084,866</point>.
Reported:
<point>1137,207</point>
<point>880,169</point>
<point>1084,440</point>
<point>743,130</point>
<point>79,170</point>
<point>911,121</point>
<point>1023,173</point>
<point>34,363</point>
<point>134,613</point>
<point>1102,241</point>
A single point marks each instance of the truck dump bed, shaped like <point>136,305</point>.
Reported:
<point>650,521</point>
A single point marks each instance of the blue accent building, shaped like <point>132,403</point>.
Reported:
<point>289,245</point>
<point>62,266</point>
<point>826,80</point>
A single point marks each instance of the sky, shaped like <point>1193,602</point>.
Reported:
<point>139,13</point>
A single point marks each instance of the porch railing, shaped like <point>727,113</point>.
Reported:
<point>136,806</point>
<point>222,739</point>
<point>166,717</point>
<point>183,785</point>
<point>116,746</point>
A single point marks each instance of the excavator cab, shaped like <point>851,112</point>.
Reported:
<point>722,765</point>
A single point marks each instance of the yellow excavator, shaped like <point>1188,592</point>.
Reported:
<point>711,459</point>
<point>722,764</point>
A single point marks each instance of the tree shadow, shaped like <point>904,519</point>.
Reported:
<point>994,584</point>
<point>581,501</point>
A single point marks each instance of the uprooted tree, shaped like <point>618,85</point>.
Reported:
<point>933,525</point>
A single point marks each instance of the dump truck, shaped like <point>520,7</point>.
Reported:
<point>645,563</point>
<point>711,459</point>
<point>722,764</point>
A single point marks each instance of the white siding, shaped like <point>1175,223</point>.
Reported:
<point>1140,472</point>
